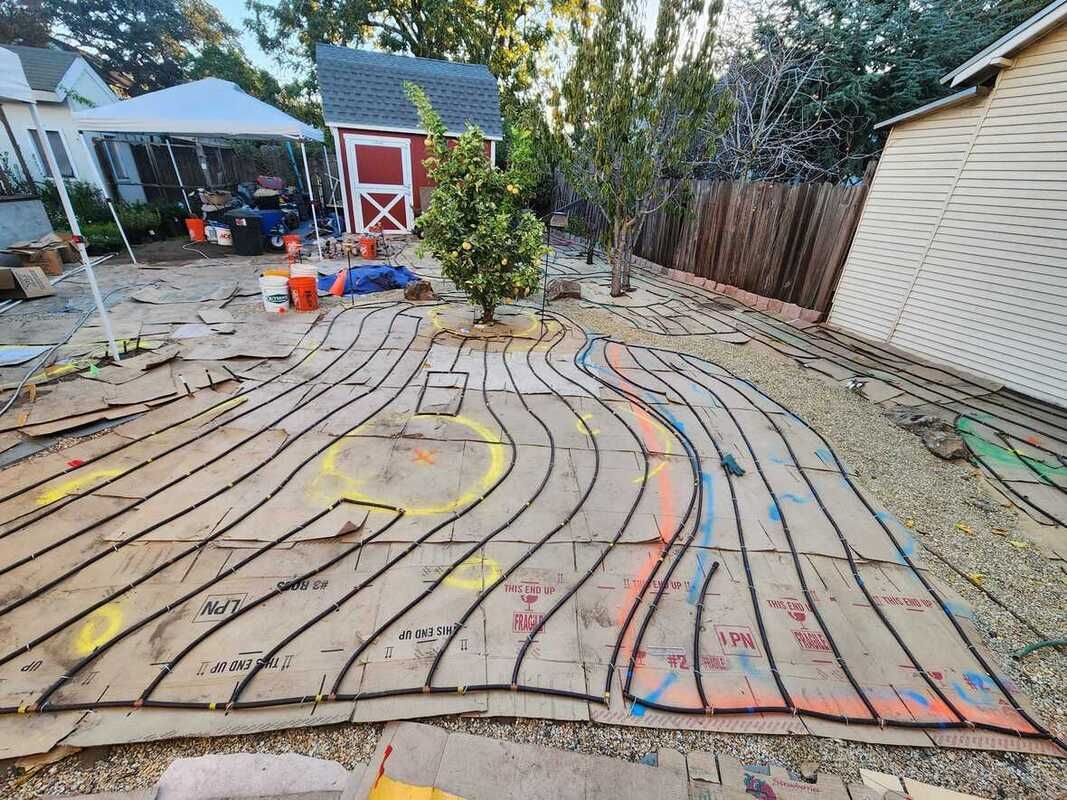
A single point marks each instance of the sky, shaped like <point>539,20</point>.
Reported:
<point>234,12</point>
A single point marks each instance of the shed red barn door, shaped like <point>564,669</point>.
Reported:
<point>379,174</point>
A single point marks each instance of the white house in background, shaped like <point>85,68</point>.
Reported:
<point>62,83</point>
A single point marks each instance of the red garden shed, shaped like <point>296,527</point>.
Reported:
<point>378,140</point>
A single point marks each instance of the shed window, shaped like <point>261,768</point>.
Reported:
<point>66,169</point>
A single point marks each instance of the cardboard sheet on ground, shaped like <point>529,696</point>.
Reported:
<point>431,523</point>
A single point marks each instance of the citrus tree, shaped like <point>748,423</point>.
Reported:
<point>477,224</point>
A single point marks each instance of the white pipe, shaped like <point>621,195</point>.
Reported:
<point>178,175</point>
<point>75,228</point>
<point>107,194</point>
<point>311,194</point>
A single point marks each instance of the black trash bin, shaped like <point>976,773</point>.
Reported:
<point>247,228</point>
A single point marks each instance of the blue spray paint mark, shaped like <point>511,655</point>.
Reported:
<point>669,680</point>
<point>773,510</point>
<point>747,665</point>
<point>826,457</point>
<point>959,609</point>
<point>916,697</point>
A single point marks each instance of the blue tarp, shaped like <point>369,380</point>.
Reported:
<point>372,278</point>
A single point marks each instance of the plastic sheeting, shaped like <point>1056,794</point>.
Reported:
<point>367,280</point>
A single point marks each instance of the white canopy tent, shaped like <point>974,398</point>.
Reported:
<point>14,86</point>
<point>209,107</point>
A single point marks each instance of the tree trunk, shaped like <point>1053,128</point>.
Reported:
<point>487,315</point>
<point>615,258</point>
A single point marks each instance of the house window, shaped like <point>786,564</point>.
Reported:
<point>117,167</point>
<point>66,169</point>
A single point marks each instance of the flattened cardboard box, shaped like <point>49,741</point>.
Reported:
<point>24,283</point>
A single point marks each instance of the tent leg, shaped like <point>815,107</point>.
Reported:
<point>178,175</point>
<point>107,195</point>
<point>75,228</point>
<point>314,216</point>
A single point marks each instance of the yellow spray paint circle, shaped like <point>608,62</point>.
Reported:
<point>474,574</point>
<point>98,629</point>
<point>582,424</point>
<point>331,473</point>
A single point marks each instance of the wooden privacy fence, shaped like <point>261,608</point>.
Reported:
<point>778,240</point>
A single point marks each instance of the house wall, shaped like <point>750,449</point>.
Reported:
<point>419,179</point>
<point>80,88</point>
<point>961,254</point>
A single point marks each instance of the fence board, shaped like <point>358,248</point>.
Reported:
<point>778,240</point>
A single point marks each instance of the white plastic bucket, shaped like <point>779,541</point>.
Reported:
<point>304,270</point>
<point>225,236</point>
<point>275,291</point>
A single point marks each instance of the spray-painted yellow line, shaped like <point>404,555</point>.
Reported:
<point>75,485</point>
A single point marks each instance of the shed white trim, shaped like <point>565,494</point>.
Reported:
<point>385,129</point>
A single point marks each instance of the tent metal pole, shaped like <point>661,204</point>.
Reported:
<point>178,175</point>
<point>107,193</point>
<point>75,229</point>
<point>311,194</point>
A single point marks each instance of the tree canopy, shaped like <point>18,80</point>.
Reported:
<point>878,58</point>
<point>631,112</point>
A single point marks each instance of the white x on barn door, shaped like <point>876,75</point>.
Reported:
<point>380,176</point>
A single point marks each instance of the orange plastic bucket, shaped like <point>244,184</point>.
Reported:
<point>305,294</point>
<point>367,247</point>
<point>196,229</point>
<point>293,244</point>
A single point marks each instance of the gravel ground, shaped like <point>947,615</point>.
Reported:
<point>908,479</point>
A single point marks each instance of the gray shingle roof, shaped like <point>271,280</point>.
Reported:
<point>43,66</point>
<point>366,89</point>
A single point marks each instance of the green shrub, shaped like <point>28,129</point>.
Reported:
<point>102,237</point>
<point>139,220</point>
<point>477,225</point>
<point>85,198</point>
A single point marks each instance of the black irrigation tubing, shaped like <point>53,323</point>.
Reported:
<point>247,513</point>
<point>1024,499</point>
<point>695,511</point>
<point>946,406</point>
<point>1040,730</point>
<point>795,555</point>
<point>220,422</point>
<point>864,371</point>
<point>485,591</point>
<point>234,698</point>
<point>845,546</point>
<point>684,291</point>
<point>168,668</point>
<point>696,490</point>
<point>92,460</point>
<point>787,699</point>
<point>93,525</point>
<point>98,651</point>
<point>470,551</point>
<point>977,586</point>
<point>744,554</point>
<point>573,590</point>
<point>155,570</point>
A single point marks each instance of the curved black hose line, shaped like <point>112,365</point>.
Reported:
<point>845,546</point>
<point>137,440</point>
<point>193,549</point>
<point>158,568</point>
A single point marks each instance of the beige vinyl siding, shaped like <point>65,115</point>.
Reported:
<point>986,291</point>
<point>912,184</point>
